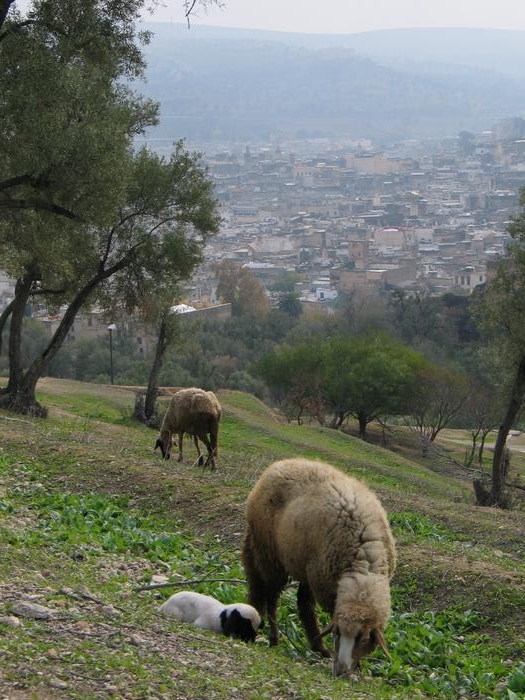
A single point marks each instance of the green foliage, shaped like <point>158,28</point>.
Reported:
<point>293,374</point>
<point>101,521</point>
<point>289,304</point>
<point>414,527</point>
<point>443,655</point>
<point>366,376</point>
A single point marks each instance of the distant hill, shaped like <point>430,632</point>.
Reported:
<point>228,84</point>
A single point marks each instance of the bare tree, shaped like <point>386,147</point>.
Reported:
<point>440,398</point>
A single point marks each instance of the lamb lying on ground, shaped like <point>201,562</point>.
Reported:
<point>311,522</point>
<point>236,620</point>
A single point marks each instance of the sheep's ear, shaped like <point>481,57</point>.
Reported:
<point>160,444</point>
<point>381,641</point>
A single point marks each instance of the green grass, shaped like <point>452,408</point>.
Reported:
<point>89,513</point>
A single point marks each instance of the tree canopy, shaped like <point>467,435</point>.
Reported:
<point>86,215</point>
<point>364,376</point>
<point>239,287</point>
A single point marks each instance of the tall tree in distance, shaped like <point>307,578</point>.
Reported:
<point>238,286</point>
<point>500,312</point>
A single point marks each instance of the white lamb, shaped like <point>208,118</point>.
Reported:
<point>237,620</point>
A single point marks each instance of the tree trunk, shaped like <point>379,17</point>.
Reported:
<point>152,391</point>
<point>482,447</point>
<point>498,465</point>
<point>3,320</point>
<point>20,396</point>
<point>22,292</point>
<point>337,420</point>
<point>469,454</point>
<point>361,419</point>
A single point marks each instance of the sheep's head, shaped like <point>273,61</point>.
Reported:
<point>241,621</point>
<point>361,613</point>
<point>350,646</point>
<point>165,447</point>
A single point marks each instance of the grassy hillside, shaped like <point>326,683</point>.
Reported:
<point>89,513</point>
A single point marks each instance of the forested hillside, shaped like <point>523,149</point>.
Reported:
<point>217,85</point>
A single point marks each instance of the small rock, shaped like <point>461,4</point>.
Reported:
<point>10,620</point>
<point>25,609</point>
<point>58,684</point>
<point>82,626</point>
<point>110,610</point>
<point>136,640</point>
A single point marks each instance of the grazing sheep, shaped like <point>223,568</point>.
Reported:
<point>236,620</point>
<point>309,521</point>
<point>196,412</point>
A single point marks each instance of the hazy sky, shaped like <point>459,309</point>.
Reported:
<point>348,16</point>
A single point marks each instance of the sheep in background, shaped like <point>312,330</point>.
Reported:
<point>236,620</point>
<point>309,521</point>
<point>196,412</point>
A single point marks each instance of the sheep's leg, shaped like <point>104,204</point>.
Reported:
<point>211,453</point>
<point>272,598</point>
<point>261,594</point>
<point>181,435</point>
<point>307,615</point>
<point>200,459</point>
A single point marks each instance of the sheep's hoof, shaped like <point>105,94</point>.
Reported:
<point>323,651</point>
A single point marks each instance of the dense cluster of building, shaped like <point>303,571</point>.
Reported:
<point>419,216</point>
<point>425,216</point>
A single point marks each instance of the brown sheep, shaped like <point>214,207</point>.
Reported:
<point>196,412</point>
<point>311,522</point>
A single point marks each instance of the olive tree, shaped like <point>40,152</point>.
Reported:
<point>80,207</point>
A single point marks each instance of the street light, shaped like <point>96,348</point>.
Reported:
<point>112,327</point>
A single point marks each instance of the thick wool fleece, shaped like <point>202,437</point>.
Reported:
<point>193,411</point>
<point>308,521</point>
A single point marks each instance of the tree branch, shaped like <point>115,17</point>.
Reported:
<point>189,582</point>
<point>4,9</point>
<point>39,205</point>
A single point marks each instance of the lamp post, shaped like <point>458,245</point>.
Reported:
<point>112,327</point>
